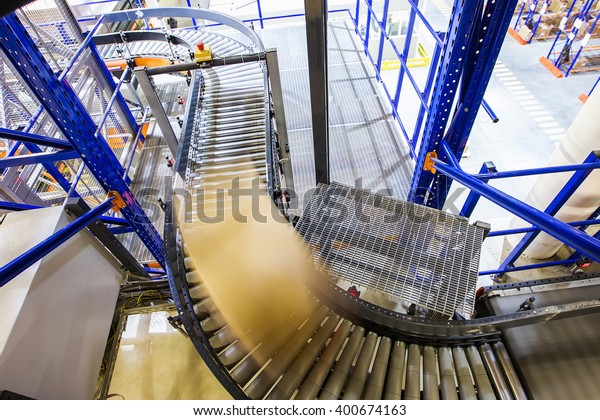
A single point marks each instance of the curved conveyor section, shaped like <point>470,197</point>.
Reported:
<point>344,347</point>
<point>334,352</point>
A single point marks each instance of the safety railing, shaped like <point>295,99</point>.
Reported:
<point>383,35</point>
<point>572,234</point>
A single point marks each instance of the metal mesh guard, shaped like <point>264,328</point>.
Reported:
<point>415,253</point>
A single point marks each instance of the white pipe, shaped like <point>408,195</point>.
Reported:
<point>582,137</point>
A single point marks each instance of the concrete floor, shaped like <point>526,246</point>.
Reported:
<point>156,362</point>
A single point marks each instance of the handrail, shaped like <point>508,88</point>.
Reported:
<point>136,14</point>
<point>552,226</point>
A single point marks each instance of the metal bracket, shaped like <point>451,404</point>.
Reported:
<point>429,164</point>
<point>118,201</point>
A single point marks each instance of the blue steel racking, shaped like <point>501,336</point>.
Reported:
<point>69,114</point>
<point>472,46</point>
<point>573,38</point>
<point>532,16</point>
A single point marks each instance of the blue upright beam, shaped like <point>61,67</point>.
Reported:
<point>477,31</point>
<point>7,205</point>
<point>260,15</point>
<point>69,114</point>
<point>29,257</point>
<point>382,36</point>
<point>446,85</point>
<point>581,224</point>
<point>481,58</point>
<point>473,197</point>
<point>189,4</point>
<point>130,119</point>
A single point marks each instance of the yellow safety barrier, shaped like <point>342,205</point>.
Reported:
<point>423,59</point>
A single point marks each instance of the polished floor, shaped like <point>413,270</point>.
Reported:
<point>156,362</point>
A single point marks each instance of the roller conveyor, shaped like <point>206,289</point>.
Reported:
<point>321,353</point>
<point>332,358</point>
<point>345,348</point>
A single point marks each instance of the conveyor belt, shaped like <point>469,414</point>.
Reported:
<point>325,352</point>
<point>342,347</point>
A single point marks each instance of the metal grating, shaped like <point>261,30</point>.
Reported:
<point>367,147</point>
<point>414,253</point>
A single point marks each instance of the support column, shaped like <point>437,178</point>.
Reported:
<point>316,39</point>
<point>157,109</point>
<point>475,36</point>
<point>277,97</point>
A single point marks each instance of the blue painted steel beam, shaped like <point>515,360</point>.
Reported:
<point>560,30</point>
<point>505,232</point>
<point>561,198</point>
<point>151,270</point>
<point>568,261</point>
<point>69,114</point>
<point>538,171</point>
<point>116,94</point>
<point>368,25</point>
<point>594,87</point>
<point>120,230</point>
<point>426,95</point>
<point>538,21</point>
<point>36,158</point>
<point>7,205</point>
<point>382,36</point>
<point>409,32</point>
<point>49,167</point>
<point>260,15</point>
<point>488,109</point>
<point>482,53</point>
<point>39,251</point>
<point>109,220</point>
<point>577,255</point>
<point>34,138</point>
<point>556,228</point>
<point>189,3</point>
<point>446,86</point>
<point>473,197</point>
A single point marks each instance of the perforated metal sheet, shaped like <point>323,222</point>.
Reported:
<point>414,253</point>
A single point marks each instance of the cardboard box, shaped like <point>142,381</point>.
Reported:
<point>544,29</point>
<point>555,6</point>
<point>581,62</point>
<point>525,33</point>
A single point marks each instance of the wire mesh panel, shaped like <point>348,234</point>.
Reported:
<point>417,254</point>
